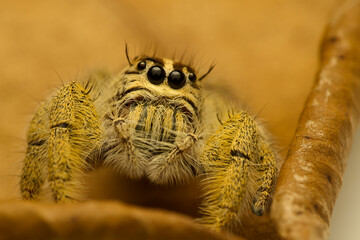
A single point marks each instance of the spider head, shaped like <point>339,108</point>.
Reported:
<point>161,81</point>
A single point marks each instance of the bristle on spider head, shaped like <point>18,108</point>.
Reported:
<point>127,54</point>
<point>207,73</point>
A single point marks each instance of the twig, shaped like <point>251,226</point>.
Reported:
<point>311,176</point>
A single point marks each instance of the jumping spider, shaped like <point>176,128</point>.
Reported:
<point>153,120</point>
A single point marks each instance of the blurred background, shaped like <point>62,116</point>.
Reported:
<point>266,52</point>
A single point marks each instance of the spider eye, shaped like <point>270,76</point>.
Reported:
<point>156,75</point>
<point>176,79</point>
<point>192,77</point>
<point>141,65</point>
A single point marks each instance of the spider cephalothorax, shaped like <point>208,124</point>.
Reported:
<point>152,120</point>
<point>157,103</point>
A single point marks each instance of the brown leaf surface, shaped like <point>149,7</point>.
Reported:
<point>311,177</point>
<point>97,220</point>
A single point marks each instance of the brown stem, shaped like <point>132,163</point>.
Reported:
<point>311,176</point>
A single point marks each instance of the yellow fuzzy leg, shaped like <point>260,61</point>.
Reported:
<point>32,176</point>
<point>267,178</point>
<point>74,134</point>
<point>228,157</point>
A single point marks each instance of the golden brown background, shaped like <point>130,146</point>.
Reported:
<point>265,51</point>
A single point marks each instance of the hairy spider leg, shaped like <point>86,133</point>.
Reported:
<point>269,170</point>
<point>232,156</point>
<point>126,151</point>
<point>74,133</point>
<point>33,175</point>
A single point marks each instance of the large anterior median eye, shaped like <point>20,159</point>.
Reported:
<point>156,75</point>
<point>176,79</point>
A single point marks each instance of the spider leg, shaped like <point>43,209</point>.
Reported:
<point>73,134</point>
<point>232,157</point>
<point>267,179</point>
<point>134,165</point>
<point>175,166</point>
<point>33,176</point>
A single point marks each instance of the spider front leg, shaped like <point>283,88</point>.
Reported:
<point>33,172</point>
<point>68,133</point>
<point>240,170</point>
<point>268,169</point>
